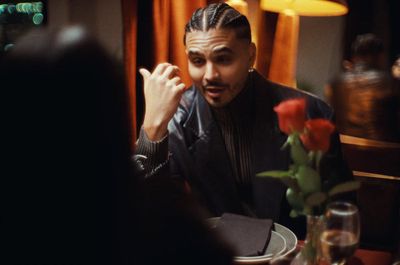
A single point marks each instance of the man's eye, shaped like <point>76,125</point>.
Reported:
<point>197,61</point>
<point>224,59</point>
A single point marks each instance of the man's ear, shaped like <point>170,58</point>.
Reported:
<point>252,53</point>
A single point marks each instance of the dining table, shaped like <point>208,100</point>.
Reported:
<point>370,257</point>
<point>360,257</point>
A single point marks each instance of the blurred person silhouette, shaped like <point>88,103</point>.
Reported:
<point>69,192</point>
<point>363,96</point>
<point>67,147</point>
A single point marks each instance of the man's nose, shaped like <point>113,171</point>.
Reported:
<point>211,72</point>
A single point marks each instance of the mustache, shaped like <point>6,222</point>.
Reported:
<point>215,84</point>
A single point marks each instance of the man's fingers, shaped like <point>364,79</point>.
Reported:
<point>170,71</point>
<point>166,77</point>
<point>160,68</point>
<point>176,80</point>
<point>181,87</point>
<point>177,83</point>
<point>145,73</point>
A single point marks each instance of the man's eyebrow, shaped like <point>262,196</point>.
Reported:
<point>194,53</point>
<point>222,50</point>
<point>215,51</point>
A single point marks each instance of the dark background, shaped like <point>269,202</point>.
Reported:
<point>381,17</point>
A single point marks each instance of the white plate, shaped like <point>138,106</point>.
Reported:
<point>276,247</point>
<point>282,242</point>
<point>288,235</point>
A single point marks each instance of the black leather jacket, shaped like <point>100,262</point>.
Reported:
<point>199,155</point>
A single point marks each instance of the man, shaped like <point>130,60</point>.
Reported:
<point>363,96</point>
<point>216,135</point>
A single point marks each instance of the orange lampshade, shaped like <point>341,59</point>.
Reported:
<point>307,7</point>
<point>284,55</point>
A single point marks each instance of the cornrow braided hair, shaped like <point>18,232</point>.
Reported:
<point>219,15</point>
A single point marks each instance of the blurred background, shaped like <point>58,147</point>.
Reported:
<point>143,33</point>
<point>323,41</point>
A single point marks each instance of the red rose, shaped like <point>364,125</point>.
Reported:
<point>317,135</point>
<point>291,115</point>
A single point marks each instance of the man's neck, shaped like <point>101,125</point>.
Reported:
<point>241,107</point>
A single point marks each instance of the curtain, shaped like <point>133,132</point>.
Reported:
<point>265,30</point>
<point>153,33</point>
<point>129,23</point>
<point>170,17</point>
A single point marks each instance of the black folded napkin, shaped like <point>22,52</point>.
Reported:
<point>249,236</point>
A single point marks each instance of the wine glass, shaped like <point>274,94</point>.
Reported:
<point>341,232</point>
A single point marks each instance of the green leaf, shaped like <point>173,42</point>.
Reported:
<point>311,154</point>
<point>284,176</point>
<point>345,187</point>
<point>295,199</point>
<point>274,173</point>
<point>318,157</point>
<point>285,145</point>
<point>293,213</point>
<point>291,183</point>
<point>308,180</point>
<point>316,199</point>
<point>299,155</point>
<point>289,141</point>
<point>293,168</point>
<point>291,138</point>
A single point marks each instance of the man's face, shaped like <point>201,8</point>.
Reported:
<point>218,63</point>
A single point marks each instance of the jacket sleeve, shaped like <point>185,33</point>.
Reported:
<point>151,157</point>
<point>156,158</point>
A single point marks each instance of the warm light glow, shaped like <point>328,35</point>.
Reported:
<point>306,7</point>
<point>239,5</point>
<point>284,54</point>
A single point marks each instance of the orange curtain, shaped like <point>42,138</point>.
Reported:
<point>153,33</point>
<point>170,18</point>
<point>129,16</point>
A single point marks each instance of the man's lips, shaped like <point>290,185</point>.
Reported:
<point>215,91</point>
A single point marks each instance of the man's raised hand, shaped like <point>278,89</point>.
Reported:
<point>163,90</point>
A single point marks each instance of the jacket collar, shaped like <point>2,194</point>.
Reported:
<point>264,95</point>
<point>212,166</point>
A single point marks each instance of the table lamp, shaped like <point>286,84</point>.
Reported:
<point>243,7</point>
<point>284,54</point>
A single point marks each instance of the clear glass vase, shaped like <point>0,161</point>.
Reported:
<point>310,253</point>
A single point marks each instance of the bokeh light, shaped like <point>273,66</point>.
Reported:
<point>37,18</point>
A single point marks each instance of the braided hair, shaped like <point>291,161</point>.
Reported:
<point>219,15</point>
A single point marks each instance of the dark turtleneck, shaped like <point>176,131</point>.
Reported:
<point>236,122</point>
